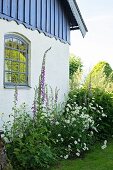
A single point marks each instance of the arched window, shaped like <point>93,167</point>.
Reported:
<point>16,61</point>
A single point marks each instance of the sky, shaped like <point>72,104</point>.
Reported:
<point>98,42</point>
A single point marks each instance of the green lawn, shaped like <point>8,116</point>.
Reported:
<point>97,159</point>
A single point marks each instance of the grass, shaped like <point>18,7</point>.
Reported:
<point>97,159</point>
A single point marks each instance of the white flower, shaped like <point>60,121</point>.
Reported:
<point>91,132</point>
<point>75,142</point>
<point>101,108</point>
<point>62,139</point>
<point>85,144</point>
<point>84,148</point>
<point>69,106</point>
<point>69,146</point>
<point>57,140</point>
<point>59,135</point>
<point>67,121</point>
<point>66,157</point>
<point>95,129</point>
<point>78,150</point>
<point>105,145</point>
<point>73,119</point>
<point>98,111</point>
<point>105,142</point>
<point>87,148</point>
<point>67,109</point>
<point>57,123</point>
<point>78,154</point>
<point>78,140</point>
<point>104,115</point>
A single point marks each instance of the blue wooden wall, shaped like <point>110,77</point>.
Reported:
<point>47,16</point>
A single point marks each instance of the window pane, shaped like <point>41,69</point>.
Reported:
<point>14,54</point>
<point>23,78</point>
<point>22,57</point>
<point>7,77</point>
<point>22,46</point>
<point>22,67</point>
<point>7,65</point>
<point>15,66</point>
<point>8,42</point>
<point>7,53</point>
<point>14,78</point>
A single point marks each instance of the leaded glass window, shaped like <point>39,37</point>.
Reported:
<point>15,61</point>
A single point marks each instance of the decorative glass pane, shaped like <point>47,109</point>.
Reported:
<point>23,78</point>
<point>22,67</point>
<point>7,77</point>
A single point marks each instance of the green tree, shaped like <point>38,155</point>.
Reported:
<point>101,76</point>
<point>75,64</point>
<point>75,71</point>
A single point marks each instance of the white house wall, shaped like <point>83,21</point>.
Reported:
<point>57,64</point>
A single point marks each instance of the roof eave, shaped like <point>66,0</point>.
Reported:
<point>78,17</point>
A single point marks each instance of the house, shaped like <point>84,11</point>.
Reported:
<point>27,29</point>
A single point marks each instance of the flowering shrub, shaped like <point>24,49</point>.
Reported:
<point>99,105</point>
<point>71,131</point>
<point>28,144</point>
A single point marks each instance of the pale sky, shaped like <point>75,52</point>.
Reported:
<point>98,42</point>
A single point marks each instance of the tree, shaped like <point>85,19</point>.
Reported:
<point>75,71</point>
<point>101,77</point>
<point>75,65</point>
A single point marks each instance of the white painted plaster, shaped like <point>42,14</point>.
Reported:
<point>57,65</point>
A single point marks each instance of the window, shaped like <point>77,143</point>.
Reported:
<point>15,61</point>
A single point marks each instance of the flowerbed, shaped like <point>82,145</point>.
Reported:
<point>39,137</point>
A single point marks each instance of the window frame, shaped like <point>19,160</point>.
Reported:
<point>26,73</point>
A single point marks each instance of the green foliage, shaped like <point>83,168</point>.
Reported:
<point>101,77</point>
<point>74,65</point>
<point>75,74</point>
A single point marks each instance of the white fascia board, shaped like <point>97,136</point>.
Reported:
<point>76,13</point>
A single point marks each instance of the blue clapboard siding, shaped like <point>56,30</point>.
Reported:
<point>48,12</point>
<point>33,13</point>
<point>0,6</point>
<point>47,16</point>
<point>27,8</point>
